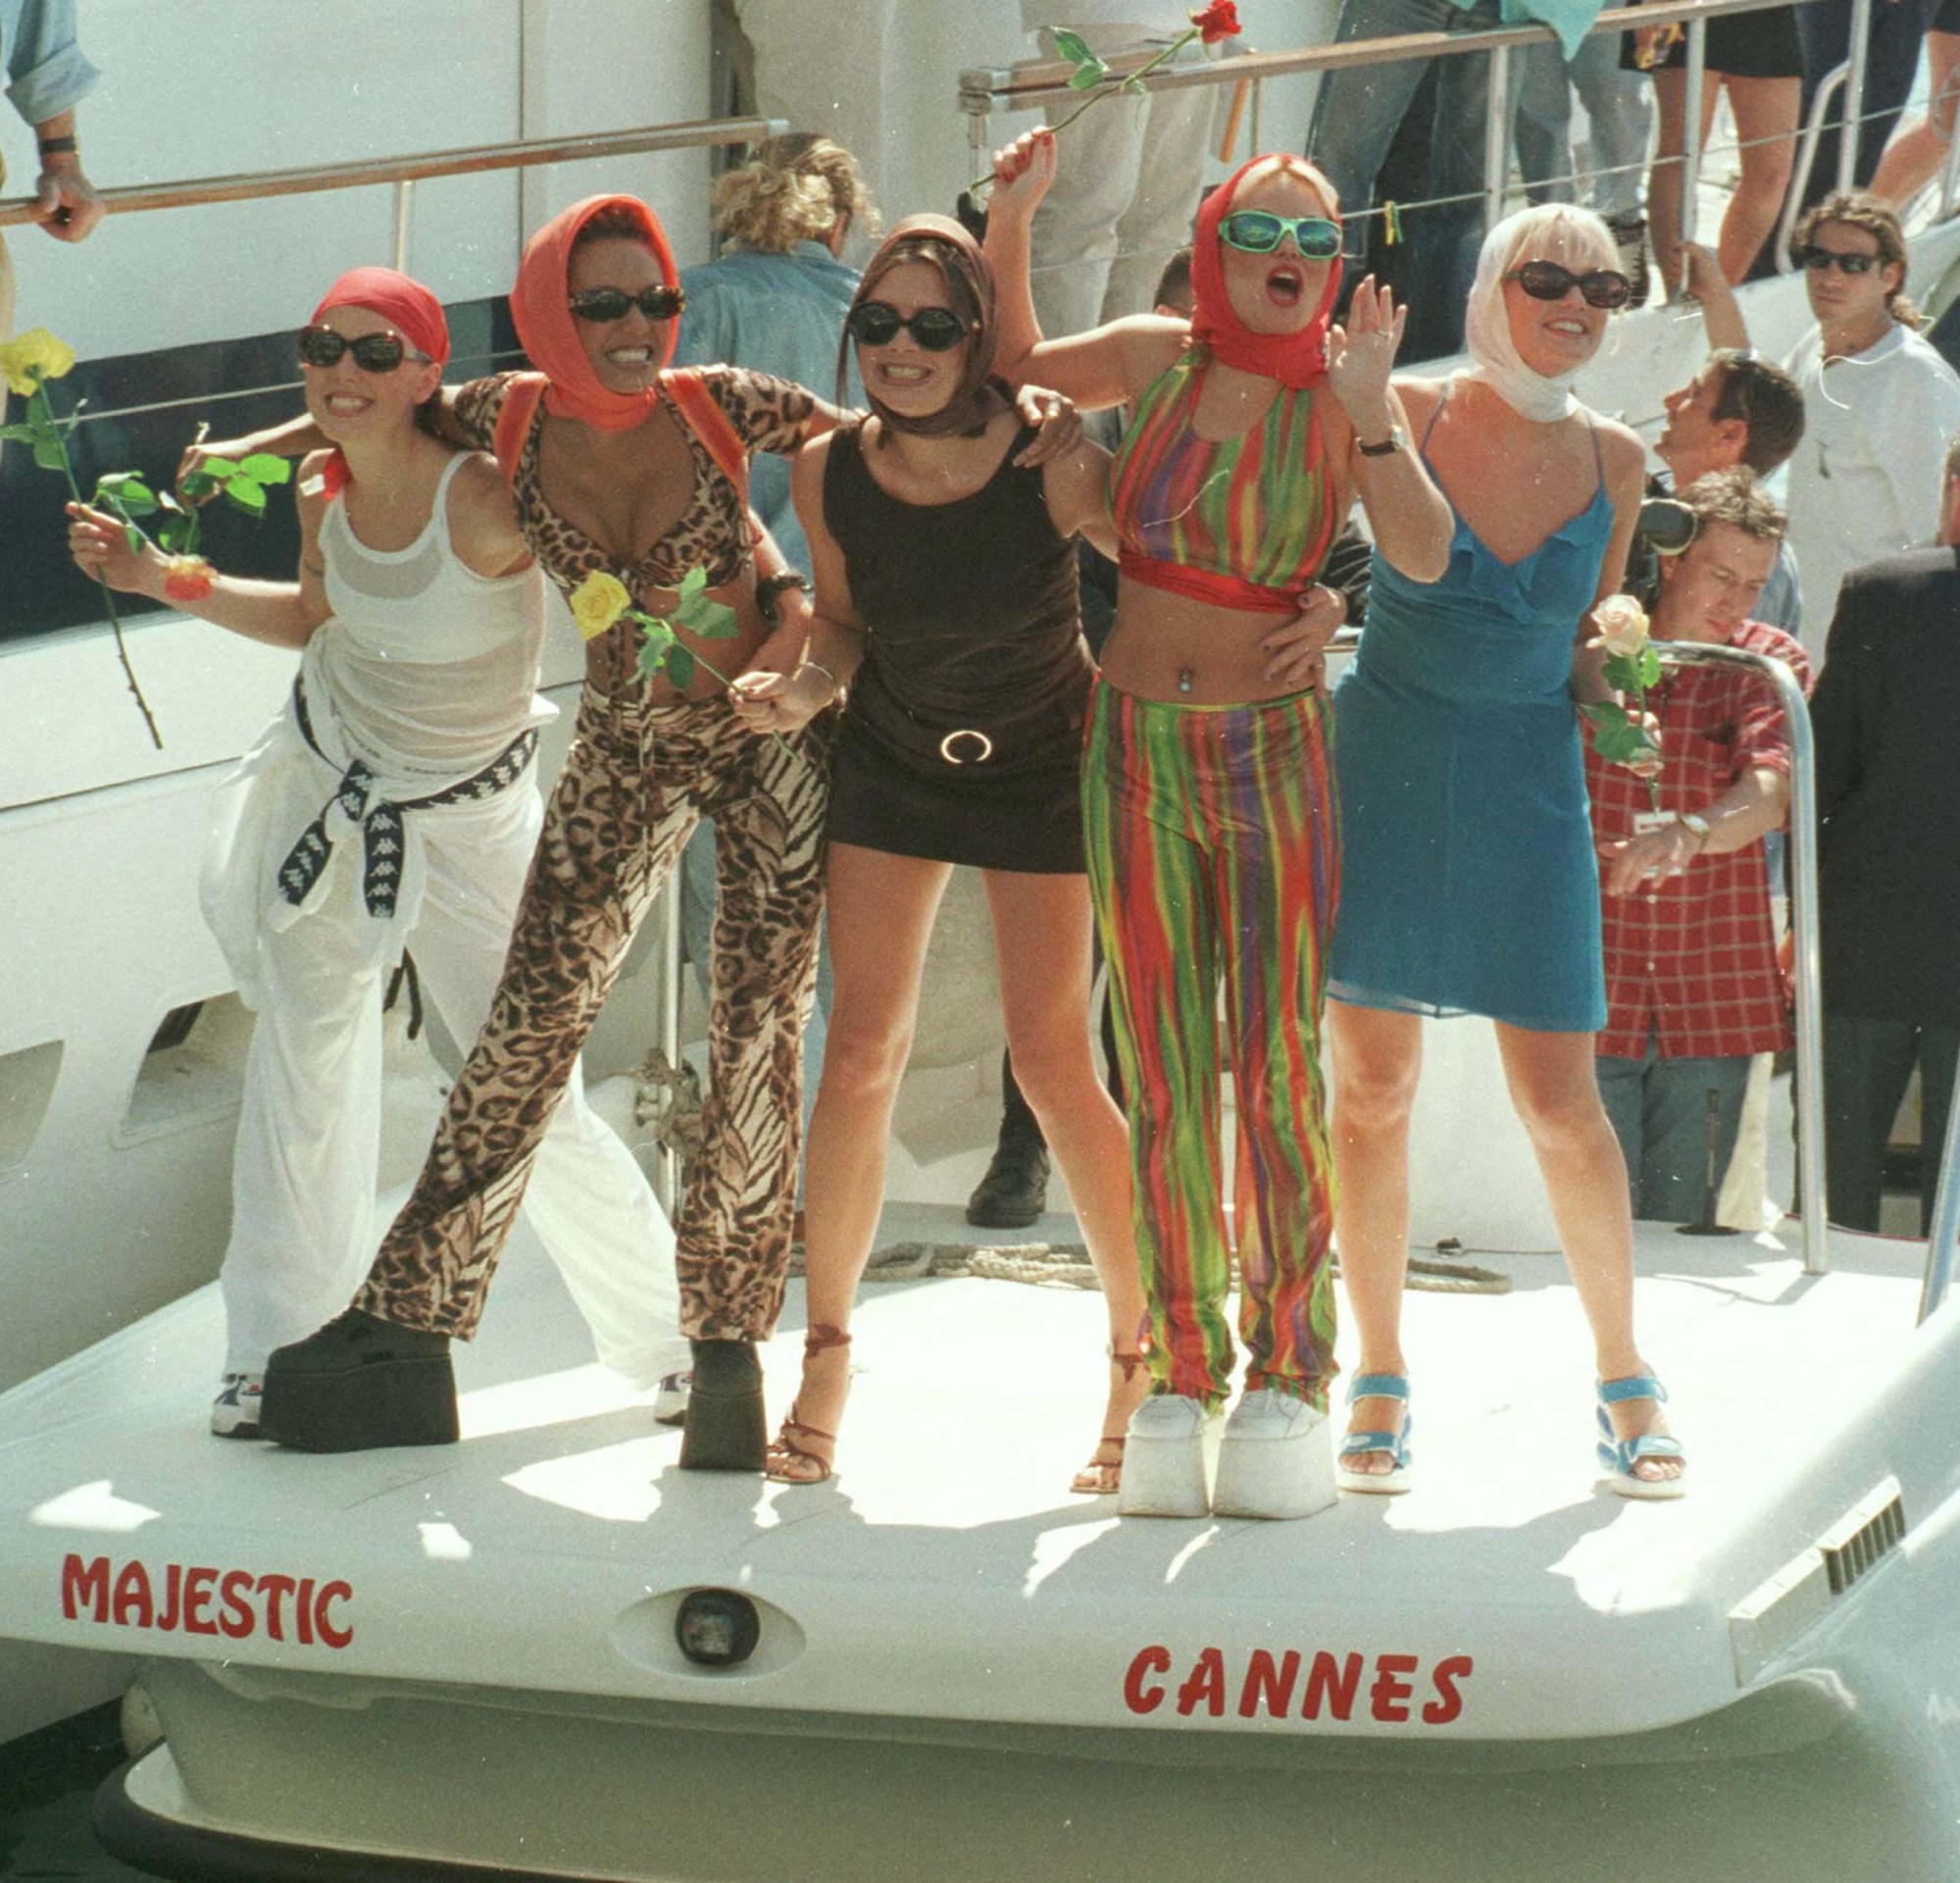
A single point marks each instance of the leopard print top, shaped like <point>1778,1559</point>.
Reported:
<point>768,414</point>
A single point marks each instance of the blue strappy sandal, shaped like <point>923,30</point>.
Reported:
<point>1381,1484</point>
<point>1618,1456</point>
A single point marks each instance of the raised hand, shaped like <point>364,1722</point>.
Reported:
<point>1361,355</point>
<point>1058,424</point>
<point>1022,173</point>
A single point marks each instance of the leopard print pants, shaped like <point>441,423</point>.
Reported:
<point>638,780</point>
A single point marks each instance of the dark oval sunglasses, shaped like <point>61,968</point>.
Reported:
<point>372,352</point>
<point>1603,287</point>
<point>601,304</point>
<point>879,324</point>
<point>1821,259</point>
<point>1256,233</point>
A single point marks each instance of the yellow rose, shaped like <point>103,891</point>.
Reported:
<point>32,357</point>
<point>1623,627</point>
<point>597,603</point>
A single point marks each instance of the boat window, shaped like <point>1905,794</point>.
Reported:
<point>26,1089</point>
<point>193,1066</point>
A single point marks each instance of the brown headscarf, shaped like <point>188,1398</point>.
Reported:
<point>941,241</point>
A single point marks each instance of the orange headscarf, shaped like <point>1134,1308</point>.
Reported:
<point>540,307</point>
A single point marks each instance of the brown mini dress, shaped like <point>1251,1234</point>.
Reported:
<point>962,738</point>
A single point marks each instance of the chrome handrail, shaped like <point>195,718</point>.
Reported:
<point>986,89</point>
<point>1809,1082</point>
<point>468,161</point>
<point>1945,1225</point>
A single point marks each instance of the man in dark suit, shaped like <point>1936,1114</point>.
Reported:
<point>1888,806</point>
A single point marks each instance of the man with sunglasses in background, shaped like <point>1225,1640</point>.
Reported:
<point>47,77</point>
<point>1740,409</point>
<point>1693,988</point>
<point>1880,401</point>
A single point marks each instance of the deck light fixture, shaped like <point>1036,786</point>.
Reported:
<point>716,1628</point>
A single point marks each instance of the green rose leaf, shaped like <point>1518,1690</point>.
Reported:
<point>20,434</point>
<point>263,468</point>
<point>680,666</point>
<point>49,455</point>
<point>1615,737</point>
<point>1073,47</point>
<point>179,535</point>
<point>1620,673</point>
<point>1134,84</point>
<point>199,486</point>
<point>693,583</point>
<point>248,494</point>
<point>708,620</point>
<point>1650,668</point>
<point>1087,77</point>
<point>218,469</point>
<point>127,488</point>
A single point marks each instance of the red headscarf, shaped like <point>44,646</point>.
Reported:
<point>1295,359</point>
<point>413,312</point>
<point>540,307</point>
<point>407,306</point>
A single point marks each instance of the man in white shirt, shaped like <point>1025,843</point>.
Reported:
<point>1879,405</point>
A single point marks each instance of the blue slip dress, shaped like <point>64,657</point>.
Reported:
<point>1469,882</point>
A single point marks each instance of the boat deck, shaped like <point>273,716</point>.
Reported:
<point>947,1573</point>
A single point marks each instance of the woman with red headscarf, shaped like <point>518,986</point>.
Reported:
<point>619,468</point>
<point>1208,794</point>
<point>393,804</point>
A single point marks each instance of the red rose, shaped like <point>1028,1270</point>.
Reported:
<point>1219,21</point>
<point>189,579</point>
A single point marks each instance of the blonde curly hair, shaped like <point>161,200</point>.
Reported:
<point>795,188</point>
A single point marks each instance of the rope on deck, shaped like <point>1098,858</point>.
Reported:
<point>1068,1265</point>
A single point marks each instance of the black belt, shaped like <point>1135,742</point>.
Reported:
<point>379,819</point>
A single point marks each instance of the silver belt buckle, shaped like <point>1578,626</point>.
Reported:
<point>980,757</point>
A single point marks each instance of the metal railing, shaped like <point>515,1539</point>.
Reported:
<point>985,91</point>
<point>404,173</point>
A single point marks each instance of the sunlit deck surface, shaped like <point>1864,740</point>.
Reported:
<point>544,1550</point>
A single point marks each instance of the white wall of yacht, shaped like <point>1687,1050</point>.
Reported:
<point>233,85</point>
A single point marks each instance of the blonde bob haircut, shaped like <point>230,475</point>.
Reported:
<point>799,187</point>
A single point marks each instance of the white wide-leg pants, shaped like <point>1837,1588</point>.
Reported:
<point>303,1230</point>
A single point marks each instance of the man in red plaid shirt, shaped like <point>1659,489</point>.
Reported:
<point>1692,984</point>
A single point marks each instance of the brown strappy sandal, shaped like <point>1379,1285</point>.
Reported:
<point>787,1450</point>
<point>1102,1477</point>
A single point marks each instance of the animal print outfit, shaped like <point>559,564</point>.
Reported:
<point>640,775</point>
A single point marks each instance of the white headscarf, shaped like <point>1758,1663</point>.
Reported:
<point>1531,235</point>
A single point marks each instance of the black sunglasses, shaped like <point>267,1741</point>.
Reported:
<point>372,352</point>
<point>1819,260</point>
<point>1547,281</point>
<point>879,324</point>
<point>601,304</point>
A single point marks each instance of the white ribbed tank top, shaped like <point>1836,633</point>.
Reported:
<point>427,666</point>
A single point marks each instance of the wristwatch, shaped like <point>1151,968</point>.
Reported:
<point>770,588</point>
<point>1695,825</point>
<point>1388,446</point>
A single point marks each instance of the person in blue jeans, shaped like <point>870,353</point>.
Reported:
<point>774,301</point>
<point>1355,120</point>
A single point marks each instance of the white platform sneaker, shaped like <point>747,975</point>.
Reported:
<point>1171,1443</point>
<point>1276,1459</point>
<point>234,1414</point>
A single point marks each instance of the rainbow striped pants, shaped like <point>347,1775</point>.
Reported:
<point>1214,857</point>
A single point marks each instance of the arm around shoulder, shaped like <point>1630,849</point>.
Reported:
<point>483,526</point>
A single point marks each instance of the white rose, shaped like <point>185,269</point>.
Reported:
<point>1623,627</point>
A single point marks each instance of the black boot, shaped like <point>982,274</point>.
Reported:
<point>359,1384</point>
<point>725,1429</point>
<point>1015,1189</point>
